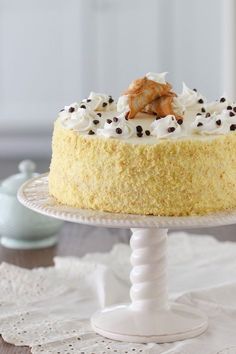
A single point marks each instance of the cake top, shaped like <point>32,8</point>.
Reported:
<point>149,111</point>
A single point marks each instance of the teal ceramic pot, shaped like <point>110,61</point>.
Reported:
<point>21,228</point>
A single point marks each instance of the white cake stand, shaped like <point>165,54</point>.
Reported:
<point>150,317</point>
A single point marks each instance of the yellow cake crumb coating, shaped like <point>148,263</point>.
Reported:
<point>172,177</point>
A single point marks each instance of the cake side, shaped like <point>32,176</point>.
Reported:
<point>171,177</point>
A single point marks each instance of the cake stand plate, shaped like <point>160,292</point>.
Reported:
<point>149,317</point>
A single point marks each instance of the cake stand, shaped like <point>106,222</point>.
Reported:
<point>149,317</point>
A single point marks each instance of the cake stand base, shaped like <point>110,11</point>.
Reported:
<point>124,324</point>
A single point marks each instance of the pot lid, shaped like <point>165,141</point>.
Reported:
<point>12,183</point>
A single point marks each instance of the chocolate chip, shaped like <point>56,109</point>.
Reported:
<point>99,114</point>
<point>222,99</point>
<point>118,130</point>
<point>229,108</point>
<point>195,89</point>
<point>231,114</point>
<point>91,132</point>
<point>200,100</point>
<point>139,128</point>
<point>199,114</point>
<point>109,121</point>
<point>234,109</point>
<point>208,115</point>
<point>157,118</point>
<point>199,124</point>
<point>110,100</point>
<point>203,110</point>
<point>147,132</point>
<point>95,121</point>
<point>171,129</point>
<point>180,121</point>
<point>218,122</point>
<point>233,127</point>
<point>127,115</point>
<point>115,119</point>
<point>71,109</point>
<point>83,106</point>
<point>104,104</point>
<point>139,134</point>
<point>88,100</point>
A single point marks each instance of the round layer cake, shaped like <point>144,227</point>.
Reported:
<point>178,164</point>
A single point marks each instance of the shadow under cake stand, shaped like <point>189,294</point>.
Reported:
<point>149,317</point>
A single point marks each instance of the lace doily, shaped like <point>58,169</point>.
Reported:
<point>48,309</point>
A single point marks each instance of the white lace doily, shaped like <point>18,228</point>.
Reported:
<point>48,309</point>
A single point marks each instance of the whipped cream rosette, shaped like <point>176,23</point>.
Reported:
<point>219,105</point>
<point>160,78</point>
<point>189,99</point>
<point>65,113</point>
<point>99,102</point>
<point>116,127</point>
<point>80,120</point>
<point>214,124</point>
<point>165,127</point>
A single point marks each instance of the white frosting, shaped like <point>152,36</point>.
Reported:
<point>99,102</point>
<point>74,105</point>
<point>157,77</point>
<point>165,127</point>
<point>80,120</point>
<point>188,98</point>
<point>116,127</point>
<point>84,116</point>
<point>65,112</point>
<point>123,104</point>
<point>178,107</point>
<point>208,125</point>
<point>218,106</point>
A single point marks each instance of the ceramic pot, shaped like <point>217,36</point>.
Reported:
<point>21,228</point>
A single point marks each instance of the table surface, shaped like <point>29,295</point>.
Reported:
<point>74,240</point>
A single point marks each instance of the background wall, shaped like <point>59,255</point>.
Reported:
<point>54,52</point>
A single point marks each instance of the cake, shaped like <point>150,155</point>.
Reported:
<point>154,152</point>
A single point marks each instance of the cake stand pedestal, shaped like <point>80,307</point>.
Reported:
<point>149,317</point>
